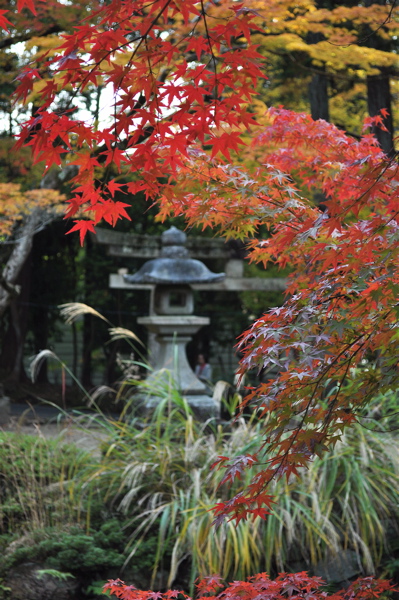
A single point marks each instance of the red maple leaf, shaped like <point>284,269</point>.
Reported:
<point>113,187</point>
<point>83,226</point>
<point>4,21</point>
<point>28,3</point>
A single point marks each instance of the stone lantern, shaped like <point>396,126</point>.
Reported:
<point>172,319</point>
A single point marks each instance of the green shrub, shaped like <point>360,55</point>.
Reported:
<point>72,550</point>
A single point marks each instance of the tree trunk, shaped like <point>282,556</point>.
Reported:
<point>8,282</point>
<point>318,97</point>
<point>10,285</point>
<point>318,87</point>
<point>378,97</point>
<point>11,359</point>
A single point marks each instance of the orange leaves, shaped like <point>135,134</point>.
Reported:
<point>85,161</point>
<point>110,211</point>
<point>299,586</point>
<point>173,88</point>
<point>224,143</point>
<point>16,204</point>
<point>342,305</point>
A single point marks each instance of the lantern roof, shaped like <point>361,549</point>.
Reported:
<point>174,265</point>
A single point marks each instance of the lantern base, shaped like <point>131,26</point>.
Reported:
<point>203,407</point>
<point>172,370</point>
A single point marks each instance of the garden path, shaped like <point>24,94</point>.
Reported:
<point>47,422</point>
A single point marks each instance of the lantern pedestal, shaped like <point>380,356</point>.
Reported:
<point>173,334</point>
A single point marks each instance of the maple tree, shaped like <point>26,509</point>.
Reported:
<point>298,586</point>
<point>179,129</point>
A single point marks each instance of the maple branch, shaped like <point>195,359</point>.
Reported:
<point>213,57</point>
<point>140,40</point>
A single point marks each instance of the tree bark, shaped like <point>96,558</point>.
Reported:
<point>318,87</point>
<point>8,282</point>
<point>32,223</point>
<point>378,97</point>
<point>318,97</point>
<point>11,283</point>
<point>11,358</point>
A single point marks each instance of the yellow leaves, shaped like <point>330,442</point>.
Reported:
<point>262,116</point>
<point>290,25</point>
<point>350,107</point>
<point>37,47</point>
<point>15,204</point>
<point>360,60</point>
<point>283,43</point>
<point>341,58</point>
<point>48,42</point>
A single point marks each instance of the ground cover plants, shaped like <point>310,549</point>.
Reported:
<point>35,482</point>
<point>143,505</point>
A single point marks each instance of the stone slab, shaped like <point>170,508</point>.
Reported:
<point>230,284</point>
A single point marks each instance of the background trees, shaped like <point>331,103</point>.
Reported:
<point>336,59</point>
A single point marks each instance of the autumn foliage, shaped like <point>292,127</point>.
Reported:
<point>16,204</point>
<point>296,586</point>
<point>173,88</point>
<point>182,128</point>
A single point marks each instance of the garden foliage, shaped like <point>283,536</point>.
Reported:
<point>35,482</point>
<point>144,504</point>
<point>298,586</point>
<point>346,500</point>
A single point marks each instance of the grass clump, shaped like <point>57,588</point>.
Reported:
<point>35,482</point>
<point>158,475</point>
<point>73,550</point>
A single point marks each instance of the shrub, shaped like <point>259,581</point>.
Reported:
<point>158,475</point>
<point>72,550</point>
